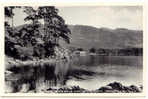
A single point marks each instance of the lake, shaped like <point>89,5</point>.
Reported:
<point>125,69</point>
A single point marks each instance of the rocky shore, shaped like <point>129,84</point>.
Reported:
<point>114,87</point>
<point>117,87</point>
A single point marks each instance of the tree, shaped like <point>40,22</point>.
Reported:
<point>9,12</point>
<point>32,34</point>
<point>32,15</point>
<point>80,49</point>
<point>92,50</point>
<point>14,39</point>
<point>54,27</point>
<point>9,32</point>
<point>32,29</point>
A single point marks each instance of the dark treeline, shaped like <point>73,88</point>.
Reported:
<point>111,52</point>
<point>119,52</point>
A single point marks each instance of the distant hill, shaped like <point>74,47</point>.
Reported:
<point>88,36</point>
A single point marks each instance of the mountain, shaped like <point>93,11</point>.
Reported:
<point>88,37</point>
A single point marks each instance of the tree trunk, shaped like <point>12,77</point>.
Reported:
<point>12,22</point>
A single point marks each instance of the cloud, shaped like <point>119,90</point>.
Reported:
<point>97,16</point>
<point>105,16</point>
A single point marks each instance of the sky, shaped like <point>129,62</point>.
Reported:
<point>98,16</point>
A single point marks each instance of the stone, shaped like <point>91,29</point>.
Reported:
<point>116,85</point>
<point>105,89</point>
<point>135,88</point>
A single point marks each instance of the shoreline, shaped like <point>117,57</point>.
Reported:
<point>115,87</point>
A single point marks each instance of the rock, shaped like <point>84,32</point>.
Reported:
<point>110,88</point>
<point>105,89</point>
<point>67,89</point>
<point>126,89</point>
<point>116,86</point>
<point>135,88</point>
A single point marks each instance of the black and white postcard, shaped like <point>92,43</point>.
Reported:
<point>52,50</point>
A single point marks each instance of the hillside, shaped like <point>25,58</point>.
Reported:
<point>87,37</point>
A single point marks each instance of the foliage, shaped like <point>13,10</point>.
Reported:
<point>29,41</point>
<point>92,50</point>
<point>80,49</point>
<point>9,11</point>
<point>54,25</point>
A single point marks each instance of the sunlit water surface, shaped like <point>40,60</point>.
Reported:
<point>127,70</point>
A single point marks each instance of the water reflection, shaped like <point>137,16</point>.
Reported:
<point>96,60</point>
<point>125,69</point>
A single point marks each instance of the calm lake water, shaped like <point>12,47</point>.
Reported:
<point>125,69</point>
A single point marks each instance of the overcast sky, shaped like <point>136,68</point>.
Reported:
<point>100,16</point>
